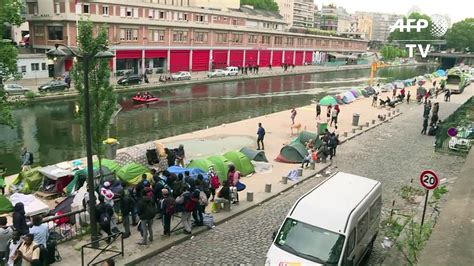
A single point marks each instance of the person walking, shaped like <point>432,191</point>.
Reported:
<point>293,115</point>
<point>374,100</point>
<point>334,114</point>
<point>168,209</point>
<point>104,213</point>
<point>447,96</point>
<point>318,111</point>
<point>146,212</point>
<point>19,220</point>
<point>26,159</point>
<point>333,142</point>
<point>6,232</point>
<point>408,97</point>
<point>328,112</point>
<point>127,205</point>
<point>260,136</point>
<point>425,125</point>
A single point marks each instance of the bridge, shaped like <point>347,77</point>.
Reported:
<point>448,60</point>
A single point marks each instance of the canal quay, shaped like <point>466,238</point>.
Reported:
<point>52,131</point>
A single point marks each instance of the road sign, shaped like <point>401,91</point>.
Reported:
<point>429,179</point>
<point>452,132</point>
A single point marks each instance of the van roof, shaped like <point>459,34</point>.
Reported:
<point>329,204</point>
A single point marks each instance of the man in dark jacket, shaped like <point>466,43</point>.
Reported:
<point>19,220</point>
<point>146,212</point>
<point>104,213</point>
<point>168,209</point>
<point>127,204</point>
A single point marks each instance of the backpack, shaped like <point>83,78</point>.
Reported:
<point>190,203</point>
<point>104,218</point>
<point>170,206</point>
<point>31,160</point>
<point>215,182</point>
<point>203,198</point>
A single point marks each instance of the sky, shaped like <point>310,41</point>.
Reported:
<point>457,10</point>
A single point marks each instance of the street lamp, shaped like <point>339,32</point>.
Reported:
<point>86,58</point>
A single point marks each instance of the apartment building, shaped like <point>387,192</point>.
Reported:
<point>381,23</point>
<point>173,35</point>
<point>303,13</point>
<point>286,10</point>
<point>328,18</point>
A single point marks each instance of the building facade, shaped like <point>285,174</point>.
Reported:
<point>286,10</point>
<point>381,23</point>
<point>161,36</point>
<point>328,18</point>
<point>303,14</point>
<point>33,66</point>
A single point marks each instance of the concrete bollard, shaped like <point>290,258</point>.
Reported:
<point>373,121</point>
<point>389,114</point>
<point>284,180</point>
<point>360,127</point>
<point>312,165</point>
<point>345,134</point>
<point>367,124</point>
<point>353,130</point>
<point>393,112</point>
<point>398,110</point>
<point>300,172</point>
<point>268,188</point>
<point>226,206</point>
<point>249,196</point>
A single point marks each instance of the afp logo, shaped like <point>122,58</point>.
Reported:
<point>439,27</point>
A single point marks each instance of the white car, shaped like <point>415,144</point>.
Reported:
<point>232,71</point>
<point>217,73</point>
<point>181,75</point>
<point>15,89</point>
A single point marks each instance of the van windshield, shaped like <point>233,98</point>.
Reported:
<point>310,242</point>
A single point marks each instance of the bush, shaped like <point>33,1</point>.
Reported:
<point>30,95</point>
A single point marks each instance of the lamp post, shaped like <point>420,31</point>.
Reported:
<point>86,60</point>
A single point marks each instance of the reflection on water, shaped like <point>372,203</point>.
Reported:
<point>52,132</point>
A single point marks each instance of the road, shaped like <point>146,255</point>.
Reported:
<point>393,153</point>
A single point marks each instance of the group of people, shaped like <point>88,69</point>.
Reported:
<point>434,121</point>
<point>249,68</point>
<point>332,114</point>
<point>146,95</point>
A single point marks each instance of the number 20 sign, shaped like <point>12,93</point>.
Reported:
<point>429,179</point>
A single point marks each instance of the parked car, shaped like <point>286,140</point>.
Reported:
<point>335,223</point>
<point>217,73</point>
<point>15,89</point>
<point>181,75</point>
<point>53,85</point>
<point>232,71</point>
<point>129,80</point>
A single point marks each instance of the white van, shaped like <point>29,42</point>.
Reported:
<point>335,223</point>
<point>232,71</point>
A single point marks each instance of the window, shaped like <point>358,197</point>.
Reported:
<point>57,8</point>
<point>300,41</point>
<point>105,10</point>
<point>289,40</point>
<point>157,35</point>
<point>362,227</point>
<point>86,9</point>
<point>129,12</point>
<point>309,42</point>
<point>221,38</point>
<point>215,18</point>
<point>162,15</point>
<point>43,66</point>
<point>253,39</point>
<point>34,67</point>
<point>128,34</point>
<point>318,42</point>
<point>375,209</point>
<point>33,8</point>
<point>237,38</point>
<point>224,18</point>
<point>23,69</point>
<point>201,18</point>
<point>180,36</point>
<point>38,30</point>
<point>278,40</point>
<point>200,36</point>
<point>55,32</point>
<point>351,242</point>
<point>151,13</point>
<point>266,39</point>
<point>234,22</point>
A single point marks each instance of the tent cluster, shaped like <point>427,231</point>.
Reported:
<point>296,151</point>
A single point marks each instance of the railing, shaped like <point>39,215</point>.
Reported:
<point>111,252</point>
<point>68,226</point>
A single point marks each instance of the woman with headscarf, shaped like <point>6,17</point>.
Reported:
<point>19,220</point>
<point>180,155</point>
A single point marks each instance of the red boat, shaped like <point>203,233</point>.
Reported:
<point>137,99</point>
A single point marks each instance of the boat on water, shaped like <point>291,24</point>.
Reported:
<point>137,99</point>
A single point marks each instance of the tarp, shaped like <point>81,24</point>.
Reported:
<point>221,165</point>
<point>254,155</point>
<point>240,161</point>
<point>193,172</point>
<point>111,164</point>
<point>132,173</point>
<point>292,153</point>
<point>28,182</point>
<point>53,172</point>
<point>33,205</point>
<point>5,205</point>
<point>441,72</point>
<point>204,165</point>
<point>80,177</point>
<point>348,97</point>
<point>64,206</point>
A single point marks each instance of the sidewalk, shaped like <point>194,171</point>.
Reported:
<point>277,126</point>
<point>451,240</point>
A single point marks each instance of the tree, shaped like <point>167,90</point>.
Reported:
<point>102,97</point>
<point>461,35</point>
<point>10,14</point>
<point>413,35</point>
<point>390,52</point>
<point>269,5</point>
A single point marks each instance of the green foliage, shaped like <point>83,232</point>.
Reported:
<point>461,35</point>
<point>439,192</point>
<point>102,97</point>
<point>413,35</point>
<point>415,240</point>
<point>30,95</point>
<point>390,52</point>
<point>393,227</point>
<point>268,5</point>
<point>409,193</point>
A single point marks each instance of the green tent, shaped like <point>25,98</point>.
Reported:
<point>5,205</point>
<point>80,176</point>
<point>254,155</point>
<point>305,136</point>
<point>240,161</point>
<point>132,173</point>
<point>204,165</point>
<point>292,153</point>
<point>111,164</point>
<point>327,101</point>
<point>31,179</point>
<point>221,165</point>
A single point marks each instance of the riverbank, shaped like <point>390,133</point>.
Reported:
<point>198,78</point>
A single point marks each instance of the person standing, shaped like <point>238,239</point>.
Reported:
<point>215,182</point>
<point>168,209</point>
<point>187,207</point>
<point>328,112</point>
<point>260,136</point>
<point>333,142</point>
<point>408,97</point>
<point>146,212</point>
<point>19,220</point>
<point>127,205</point>
<point>11,248</point>
<point>40,231</point>
<point>26,159</point>
<point>425,125</point>
<point>28,251</point>
<point>6,232</point>
<point>334,114</point>
<point>293,115</point>
<point>318,111</point>
<point>180,155</point>
<point>104,213</point>
<point>374,100</point>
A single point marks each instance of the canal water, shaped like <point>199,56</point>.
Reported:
<point>53,133</point>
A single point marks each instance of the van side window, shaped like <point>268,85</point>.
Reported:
<point>362,227</point>
<point>351,242</point>
<point>375,209</point>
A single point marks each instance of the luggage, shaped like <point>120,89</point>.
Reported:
<point>208,220</point>
<point>233,193</point>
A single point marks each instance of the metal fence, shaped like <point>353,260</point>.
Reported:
<point>68,226</point>
<point>106,252</point>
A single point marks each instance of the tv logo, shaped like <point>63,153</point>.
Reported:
<point>439,27</point>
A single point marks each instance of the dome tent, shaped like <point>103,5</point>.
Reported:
<point>111,164</point>
<point>348,97</point>
<point>292,153</point>
<point>240,161</point>
<point>221,165</point>
<point>202,164</point>
<point>132,173</point>
<point>5,205</point>
<point>254,155</point>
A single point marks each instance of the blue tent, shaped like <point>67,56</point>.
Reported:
<point>348,97</point>
<point>193,172</point>
<point>441,72</point>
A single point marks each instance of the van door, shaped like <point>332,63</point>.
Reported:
<point>357,240</point>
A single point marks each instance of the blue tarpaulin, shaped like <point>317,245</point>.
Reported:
<point>193,172</point>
